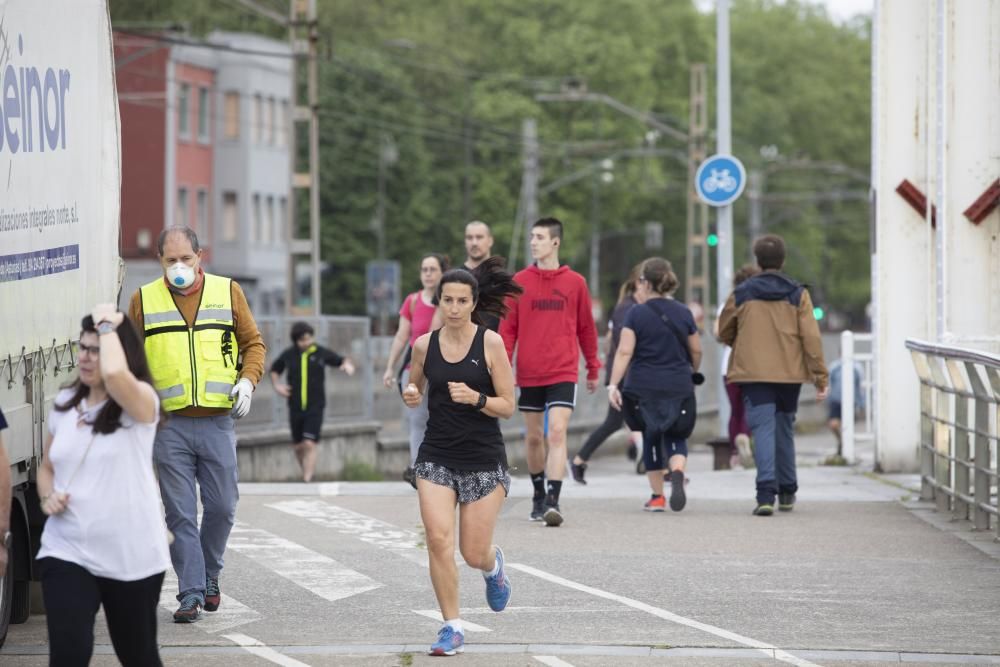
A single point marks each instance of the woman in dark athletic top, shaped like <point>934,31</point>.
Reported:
<point>462,460</point>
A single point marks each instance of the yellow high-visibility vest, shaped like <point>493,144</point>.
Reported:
<point>191,366</point>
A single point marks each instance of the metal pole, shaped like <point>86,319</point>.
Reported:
<point>724,251</point>
<point>380,227</point>
<point>755,193</point>
<point>595,237</point>
<point>847,396</point>
<point>530,185</point>
<point>313,96</point>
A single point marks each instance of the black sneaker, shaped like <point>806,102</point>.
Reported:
<point>189,611</point>
<point>213,596</point>
<point>537,508</point>
<point>677,498</point>
<point>578,470</point>
<point>632,452</point>
<point>553,517</point>
<point>410,477</point>
<point>786,502</point>
<point>763,509</point>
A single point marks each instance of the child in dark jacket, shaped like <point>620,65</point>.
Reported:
<point>305,364</point>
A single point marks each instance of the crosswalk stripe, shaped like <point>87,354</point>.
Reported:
<point>231,613</point>
<point>316,573</point>
<point>436,615</point>
<point>258,648</point>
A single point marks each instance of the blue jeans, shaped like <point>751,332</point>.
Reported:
<point>202,450</point>
<point>771,408</point>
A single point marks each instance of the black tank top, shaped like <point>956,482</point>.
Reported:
<point>458,435</point>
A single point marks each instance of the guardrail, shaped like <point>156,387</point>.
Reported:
<point>856,353</point>
<point>959,411</point>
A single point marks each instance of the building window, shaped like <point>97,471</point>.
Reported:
<point>272,120</point>
<point>269,235</point>
<point>230,217</point>
<point>203,114</point>
<point>280,230</point>
<point>184,111</point>
<point>283,125</point>
<point>232,116</point>
<point>258,113</point>
<point>202,212</point>
<point>181,213</point>
<point>258,221</point>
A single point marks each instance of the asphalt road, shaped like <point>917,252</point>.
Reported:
<point>335,574</point>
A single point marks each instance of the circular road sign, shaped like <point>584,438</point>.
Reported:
<point>720,180</point>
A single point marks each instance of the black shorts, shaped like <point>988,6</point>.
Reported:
<point>305,425</point>
<point>834,409</point>
<point>538,399</point>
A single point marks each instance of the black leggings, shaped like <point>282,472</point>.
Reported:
<point>73,595</point>
<point>612,422</point>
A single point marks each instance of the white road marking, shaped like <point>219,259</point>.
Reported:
<point>231,612</point>
<point>765,648</point>
<point>552,661</point>
<point>316,573</point>
<point>436,615</point>
<point>258,648</point>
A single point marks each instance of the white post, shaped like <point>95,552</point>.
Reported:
<point>724,214</point>
<point>847,396</point>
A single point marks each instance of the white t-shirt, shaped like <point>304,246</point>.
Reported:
<point>113,524</point>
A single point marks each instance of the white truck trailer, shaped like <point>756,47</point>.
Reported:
<point>59,231</point>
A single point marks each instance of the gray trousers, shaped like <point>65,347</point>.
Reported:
<point>416,420</point>
<point>202,450</point>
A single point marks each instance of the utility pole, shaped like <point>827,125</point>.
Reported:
<point>529,186</point>
<point>304,37</point>
<point>755,193</point>
<point>696,266</point>
<point>724,251</point>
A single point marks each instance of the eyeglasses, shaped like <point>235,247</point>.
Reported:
<point>92,350</point>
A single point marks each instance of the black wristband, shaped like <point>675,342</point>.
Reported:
<point>481,403</point>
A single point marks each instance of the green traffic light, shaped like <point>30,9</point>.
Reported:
<point>712,240</point>
<point>818,313</point>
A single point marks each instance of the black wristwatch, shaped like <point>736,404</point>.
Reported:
<point>481,403</point>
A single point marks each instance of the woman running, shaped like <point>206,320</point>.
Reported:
<point>462,459</point>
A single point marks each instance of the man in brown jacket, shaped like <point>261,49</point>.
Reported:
<point>768,321</point>
<point>206,356</point>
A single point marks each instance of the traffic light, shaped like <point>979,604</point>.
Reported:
<point>712,239</point>
<point>818,313</point>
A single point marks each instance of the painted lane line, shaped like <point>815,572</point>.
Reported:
<point>258,648</point>
<point>552,661</point>
<point>316,573</point>
<point>436,615</point>
<point>381,534</point>
<point>767,649</point>
<point>231,613</point>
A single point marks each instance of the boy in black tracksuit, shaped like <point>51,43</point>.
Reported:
<point>305,362</point>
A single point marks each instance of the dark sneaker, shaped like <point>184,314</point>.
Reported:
<point>764,509</point>
<point>578,470</point>
<point>537,508</point>
<point>632,452</point>
<point>786,502</point>
<point>498,587</point>
<point>677,498</point>
<point>553,517</point>
<point>449,642</point>
<point>190,609</point>
<point>410,477</point>
<point>213,596</point>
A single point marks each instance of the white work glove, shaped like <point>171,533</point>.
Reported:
<point>242,394</point>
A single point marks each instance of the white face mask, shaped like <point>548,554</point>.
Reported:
<point>180,275</point>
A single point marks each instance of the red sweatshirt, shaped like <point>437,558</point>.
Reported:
<point>551,323</point>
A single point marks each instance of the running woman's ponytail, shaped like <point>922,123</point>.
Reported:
<point>491,284</point>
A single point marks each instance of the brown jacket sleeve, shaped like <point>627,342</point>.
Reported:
<point>135,312</point>
<point>248,337</point>
<point>812,343</point>
<point>727,321</point>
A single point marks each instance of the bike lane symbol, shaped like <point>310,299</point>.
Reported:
<point>720,180</point>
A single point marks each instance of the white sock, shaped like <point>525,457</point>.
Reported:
<point>456,624</point>
<point>494,572</point>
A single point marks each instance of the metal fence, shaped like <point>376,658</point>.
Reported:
<point>856,352</point>
<point>959,411</point>
<point>347,398</point>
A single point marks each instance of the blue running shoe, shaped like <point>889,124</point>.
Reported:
<point>498,587</point>
<point>449,642</point>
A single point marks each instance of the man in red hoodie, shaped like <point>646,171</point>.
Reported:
<point>549,325</point>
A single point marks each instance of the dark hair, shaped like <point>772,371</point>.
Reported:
<point>490,283</point>
<point>769,251</point>
<point>179,230</point>
<point>628,287</point>
<point>554,226</point>
<point>746,271</point>
<point>442,260</point>
<point>109,418</point>
<point>660,275</point>
<point>300,329</point>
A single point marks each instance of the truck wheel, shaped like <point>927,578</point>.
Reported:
<point>6,595</point>
<point>20,589</point>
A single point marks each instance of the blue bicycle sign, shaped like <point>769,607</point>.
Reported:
<point>720,180</point>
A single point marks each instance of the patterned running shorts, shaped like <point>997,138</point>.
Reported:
<point>470,485</point>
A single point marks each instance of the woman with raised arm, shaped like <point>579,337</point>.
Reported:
<point>105,541</point>
<point>463,367</point>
